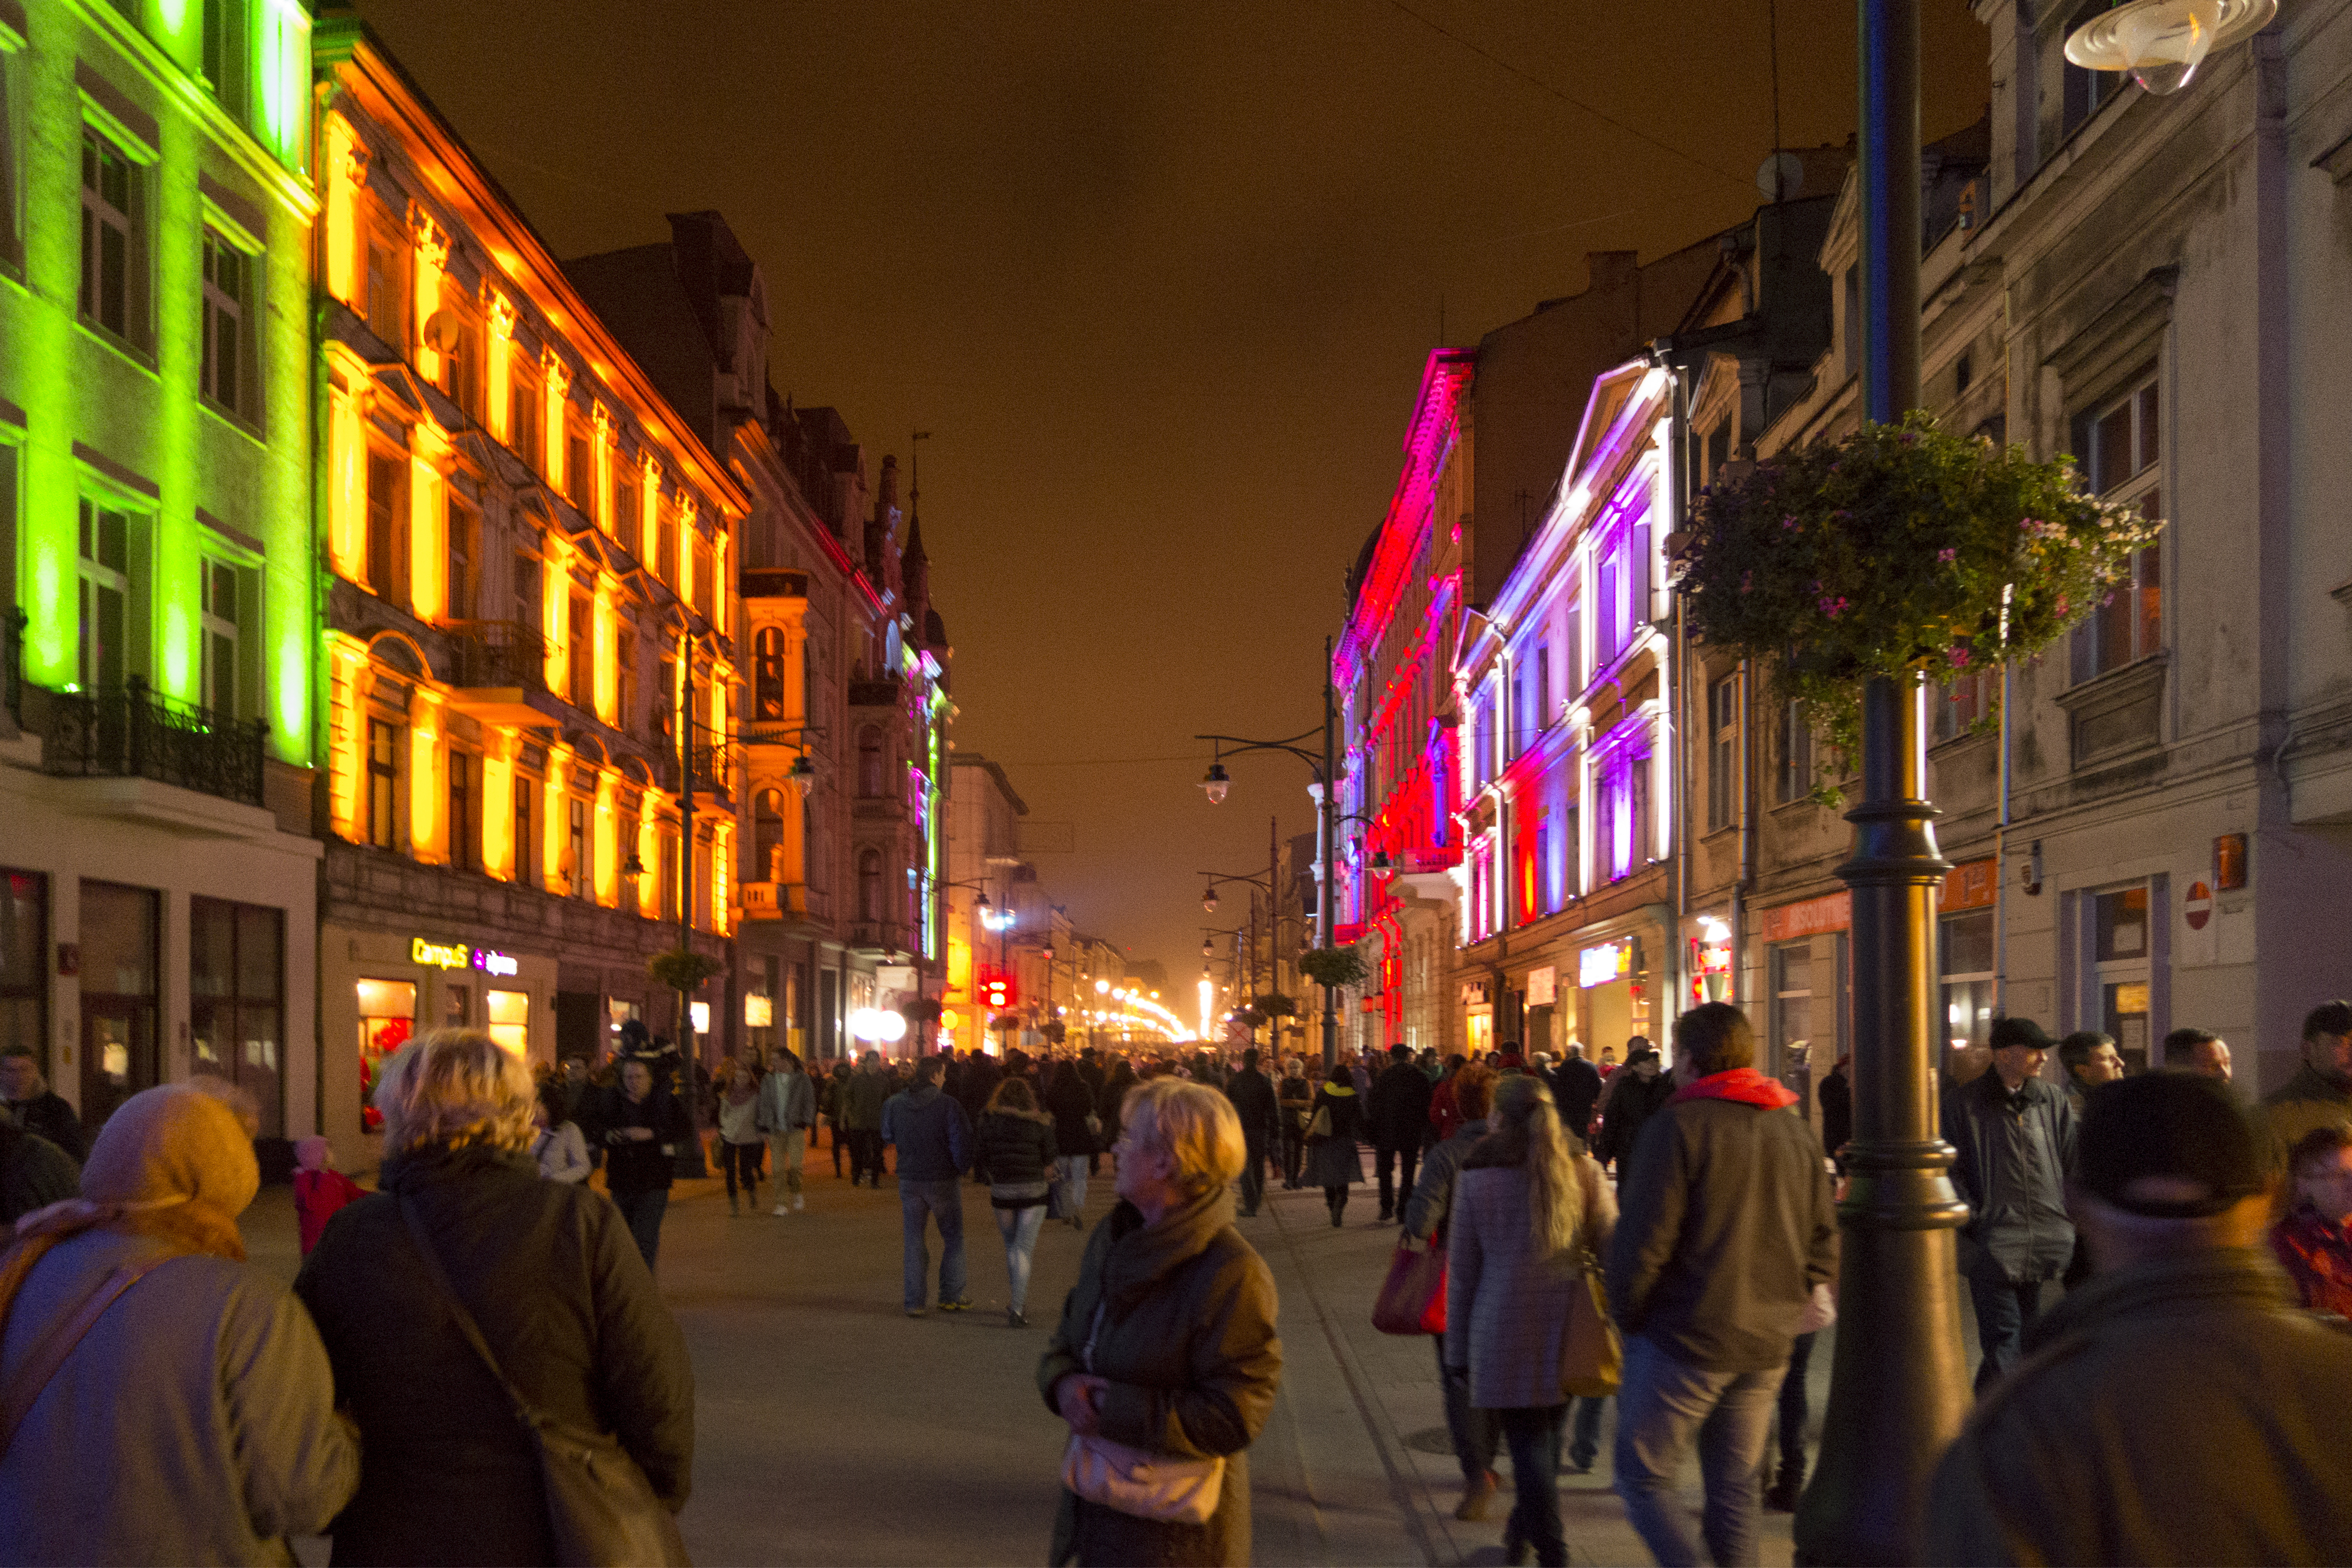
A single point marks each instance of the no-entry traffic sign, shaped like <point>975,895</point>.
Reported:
<point>2198,906</point>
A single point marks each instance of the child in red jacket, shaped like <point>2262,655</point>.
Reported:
<point>319,1188</point>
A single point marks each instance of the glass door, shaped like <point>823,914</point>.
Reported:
<point>119,1056</point>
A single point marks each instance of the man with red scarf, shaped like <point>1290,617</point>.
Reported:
<point>1726,1225</point>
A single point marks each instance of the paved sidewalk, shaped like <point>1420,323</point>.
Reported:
<point>834,1429</point>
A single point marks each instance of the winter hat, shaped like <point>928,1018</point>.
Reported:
<point>2176,1126</point>
<point>313,1154</point>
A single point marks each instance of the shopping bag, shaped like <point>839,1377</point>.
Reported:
<point>1412,1297</point>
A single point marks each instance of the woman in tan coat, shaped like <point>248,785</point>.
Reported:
<point>1167,1341</point>
<point>1527,1211</point>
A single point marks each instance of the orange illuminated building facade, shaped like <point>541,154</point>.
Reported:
<point>529,564</point>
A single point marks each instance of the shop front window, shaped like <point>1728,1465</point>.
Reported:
<point>387,1017</point>
<point>23,969</point>
<point>511,1020</point>
<point>237,1000</point>
<point>1968,978</point>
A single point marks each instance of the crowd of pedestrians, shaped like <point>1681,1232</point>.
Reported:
<point>1659,1235</point>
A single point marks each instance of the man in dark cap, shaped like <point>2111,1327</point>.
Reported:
<point>2015,1135</point>
<point>2180,1408</point>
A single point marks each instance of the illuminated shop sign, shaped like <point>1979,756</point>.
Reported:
<point>458,955</point>
<point>1600,965</point>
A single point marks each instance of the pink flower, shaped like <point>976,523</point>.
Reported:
<point>1959,656</point>
<point>1789,524</point>
<point>1947,556</point>
<point>1832,608</point>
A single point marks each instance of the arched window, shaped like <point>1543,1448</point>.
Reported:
<point>869,762</point>
<point>870,884</point>
<point>768,675</point>
<point>767,834</point>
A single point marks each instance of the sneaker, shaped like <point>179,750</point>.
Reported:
<point>960,1304</point>
<point>779,1209</point>
<point>1015,1320</point>
<point>914,1311</point>
<point>800,1202</point>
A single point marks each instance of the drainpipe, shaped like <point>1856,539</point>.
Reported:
<point>1747,844</point>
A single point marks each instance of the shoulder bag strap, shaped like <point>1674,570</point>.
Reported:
<point>524,1410</point>
<point>50,1351</point>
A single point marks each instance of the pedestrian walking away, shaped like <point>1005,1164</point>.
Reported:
<point>2180,1407</point>
<point>1633,1097</point>
<point>1576,1088</point>
<point>463,1228</point>
<point>869,1089</point>
<point>642,1126</point>
<point>1015,1143</point>
<point>1334,1123</point>
<point>1075,1128</point>
<point>741,1142</point>
<point>1166,1350</point>
<point>1726,1226</point>
<point>1396,1114</point>
<point>1258,1109</point>
<point>787,1115</point>
<point>185,1410</point>
<point>1529,1209</point>
<point>1472,1431</point>
<point>934,1144</point>
<point>2014,1135</point>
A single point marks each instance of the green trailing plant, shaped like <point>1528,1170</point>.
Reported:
<point>681,969</point>
<point>1903,548</point>
<point>1274,1004</point>
<point>1056,1032</point>
<point>1334,966</point>
<point>925,1011</point>
<point>1248,1018</point>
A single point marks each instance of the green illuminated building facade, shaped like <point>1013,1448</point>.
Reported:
<point>157,394</point>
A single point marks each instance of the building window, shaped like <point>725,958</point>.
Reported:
<point>110,251</point>
<point>1722,754</point>
<point>237,994</point>
<point>383,781</point>
<point>870,884</point>
<point>221,668</point>
<point>1543,713</point>
<point>228,51</point>
<point>387,1010</point>
<point>25,961</point>
<point>768,675</point>
<point>509,1013</point>
<point>2123,943</point>
<point>581,867</point>
<point>465,532</point>
<point>1796,751</point>
<point>12,227</point>
<point>580,472</point>
<point>673,893</point>
<point>1961,701</point>
<point>624,659</point>
<point>104,569</point>
<point>456,332</point>
<point>526,400</point>
<point>1793,994</point>
<point>869,763</point>
<point>387,526</point>
<point>767,835</point>
<point>121,1051</point>
<point>526,833</point>
<point>704,598</point>
<point>225,375</point>
<point>2082,91</point>
<point>464,810</point>
<point>387,279</point>
<point>2119,446</point>
<point>666,545</point>
<point>1483,744</point>
<point>628,510</point>
<point>1575,671</point>
<point>1967,965</point>
<point>1622,824</point>
<point>580,651</point>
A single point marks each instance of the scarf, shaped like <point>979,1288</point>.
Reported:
<point>171,1162</point>
<point>1743,1086</point>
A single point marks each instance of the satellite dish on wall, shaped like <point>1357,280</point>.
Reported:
<point>1780,176</point>
<point>441,331</point>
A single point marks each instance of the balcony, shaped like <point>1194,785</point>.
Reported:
<point>132,732</point>
<point>500,666</point>
<point>795,903</point>
<point>882,693</point>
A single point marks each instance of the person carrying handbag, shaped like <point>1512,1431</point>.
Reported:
<point>525,1307</point>
<point>1165,1364</point>
<point>1475,1435</point>
<point>1529,1212</point>
<point>1332,1129</point>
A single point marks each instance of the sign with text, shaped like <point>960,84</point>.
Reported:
<point>1600,965</point>
<point>1970,885</point>
<point>458,955</point>
<point>1543,986</point>
<point>1809,917</point>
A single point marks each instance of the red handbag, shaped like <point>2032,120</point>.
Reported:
<point>1412,1297</point>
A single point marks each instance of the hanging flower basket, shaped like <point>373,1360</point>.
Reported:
<point>926,1010</point>
<point>681,969</point>
<point>1333,967</point>
<point>1902,548</point>
<point>1274,1004</point>
<point>1248,1018</point>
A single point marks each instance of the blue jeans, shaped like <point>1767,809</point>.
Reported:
<point>643,1211</point>
<point>1533,1433</point>
<point>1584,1437</point>
<point>1073,1199</point>
<point>1019,1227</point>
<point>1661,1406</point>
<point>942,1201</point>
<point>2003,1311</point>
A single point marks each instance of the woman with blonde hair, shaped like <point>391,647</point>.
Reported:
<point>1528,1210</point>
<point>123,1314</point>
<point>1166,1348</point>
<point>463,1231</point>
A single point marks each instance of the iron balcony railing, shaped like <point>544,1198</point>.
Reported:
<point>496,653</point>
<point>129,732</point>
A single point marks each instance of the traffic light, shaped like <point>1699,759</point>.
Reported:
<point>996,993</point>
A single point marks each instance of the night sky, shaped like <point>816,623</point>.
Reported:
<point>1160,279</point>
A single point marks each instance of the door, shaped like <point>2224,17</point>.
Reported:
<point>118,1054</point>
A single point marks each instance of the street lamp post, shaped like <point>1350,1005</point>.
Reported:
<point>1326,791</point>
<point>1898,1390</point>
